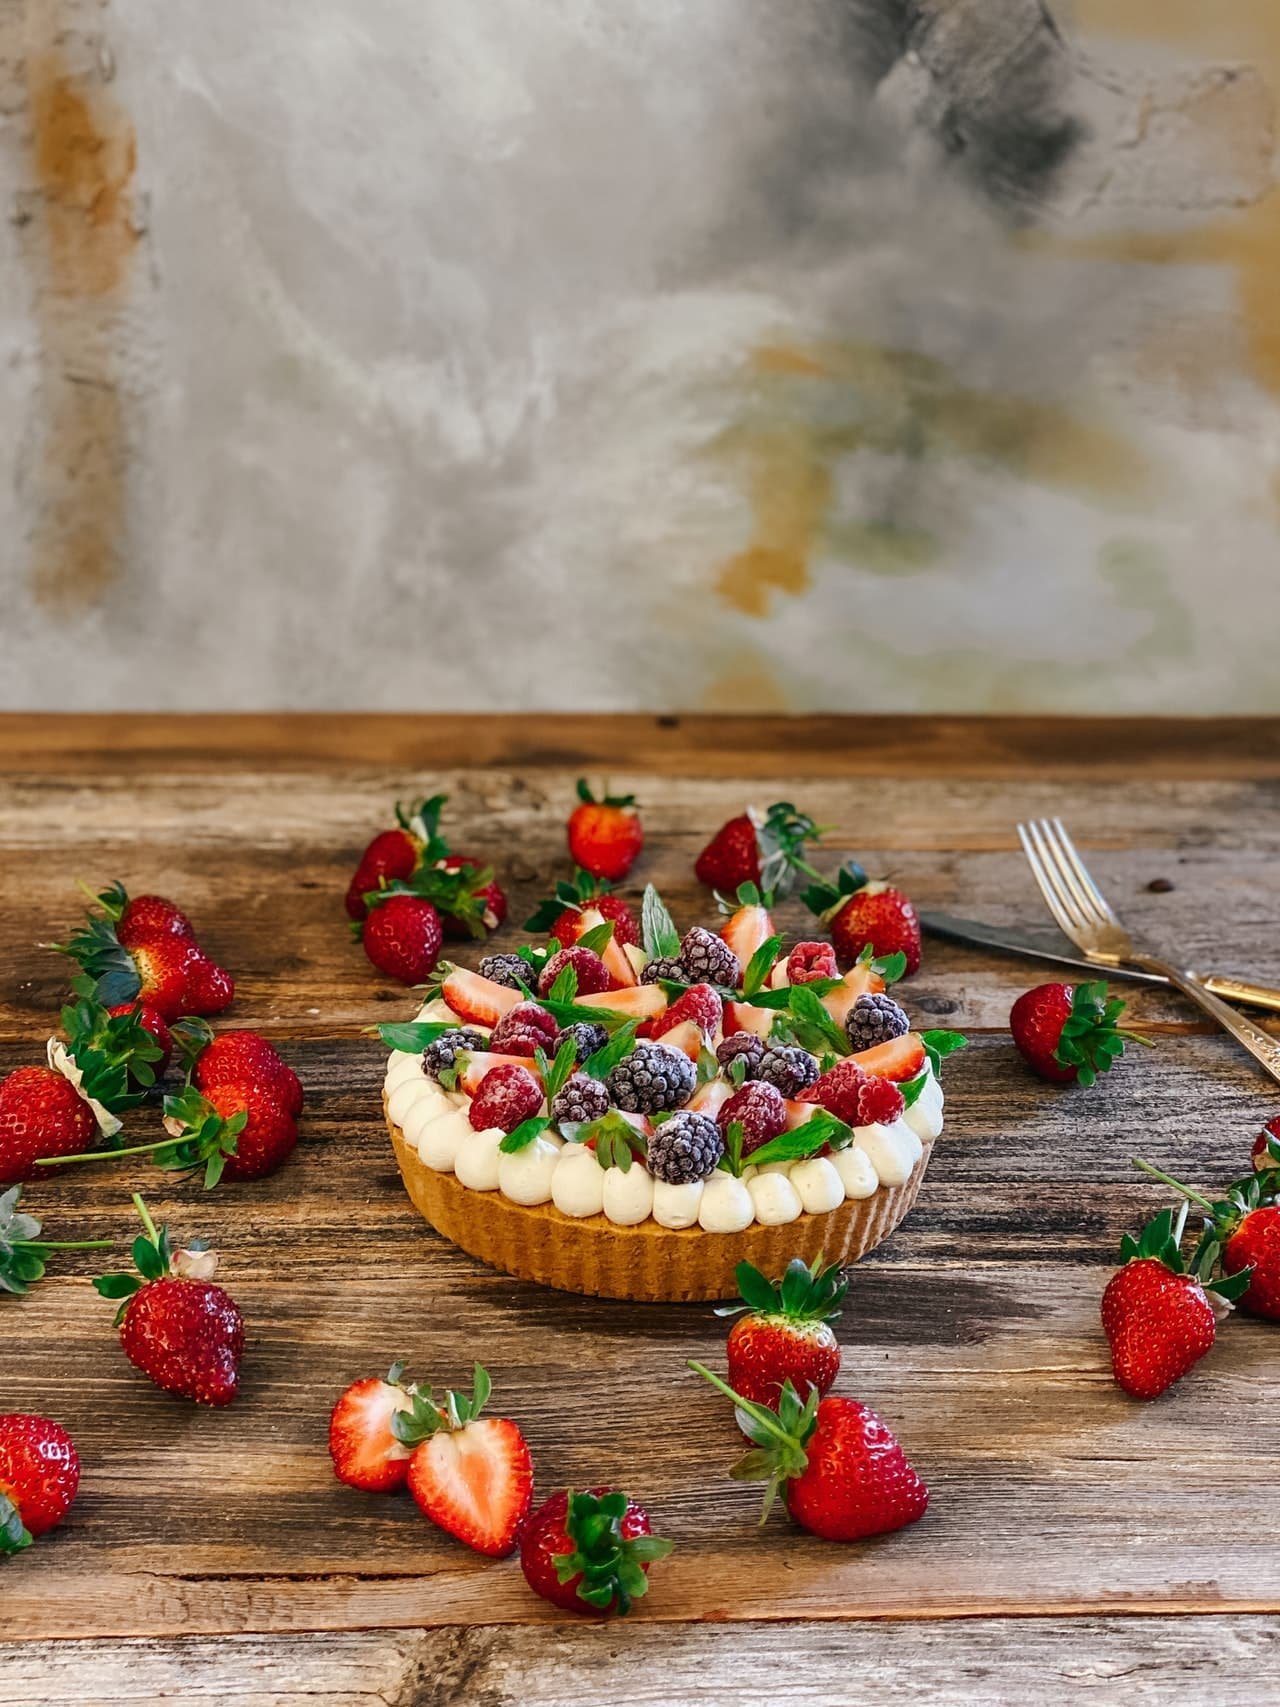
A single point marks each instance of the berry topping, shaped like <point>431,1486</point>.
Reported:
<point>701,1004</point>
<point>651,1079</point>
<point>665,968</point>
<point>742,1046</point>
<point>874,1019</point>
<point>579,1100</point>
<point>707,958</point>
<point>758,1109</point>
<point>810,960</point>
<point>685,1148</point>
<point>506,1096</point>
<point>510,970</point>
<point>587,1038</point>
<point>439,1056</point>
<point>880,1103</point>
<point>525,1020</point>
<point>591,972</point>
<point>789,1070</point>
<point>839,1091</point>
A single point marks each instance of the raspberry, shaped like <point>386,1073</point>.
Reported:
<point>523,1040</point>
<point>789,1070</point>
<point>839,1091</point>
<point>587,1038</point>
<point>810,960</point>
<point>705,957</point>
<point>760,1110</point>
<point>523,1019</point>
<point>579,1099</point>
<point>508,970</point>
<point>437,1056</point>
<point>593,974</point>
<point>665,969</point>
<point>507,1095</point>
<point>701,1004</point>
<point>875,1019</point>
<point>744,1046</point>
<point>652,1078</point>
<point>685,1148</point>
<point>880,1103</point>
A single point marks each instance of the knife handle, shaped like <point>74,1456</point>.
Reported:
<point>1251,995</point>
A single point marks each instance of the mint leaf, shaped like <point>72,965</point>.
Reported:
<point>808,1011</point>
<point>760,965</point>
<point>520,1137</point>
<point>657,927</point>
<point>805,1140</point>
<point>565,986</point>
<point>939,1044</point>
<point>891,967</point>
<point>413,1039</point>
<point>557,1073</point>
<point>598,937</point>
<point>606,1058</point>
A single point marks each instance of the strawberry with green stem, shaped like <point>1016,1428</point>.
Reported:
<point>605,835</point>
<point>861,914</point>
<point>167,972</point>
<point>23,1253</point>
<point>39,1476</point>
<point>1156,1311</point>
<point>764,848</point>
<point>560,915</point>
<point>590,1552</point>
<point>785,1333</point>
<point>1068,1032</point>
<point>1241,1237</point>
<point>176,1326</point>
<point>407,857</point>
<point>841,1472</point>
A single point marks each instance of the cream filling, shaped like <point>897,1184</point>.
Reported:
<point>924,1117</point>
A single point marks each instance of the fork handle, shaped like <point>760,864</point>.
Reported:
<point>1264,1048</point>
<point>1238,990</point>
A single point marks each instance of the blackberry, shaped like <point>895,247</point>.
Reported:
<point>685,1148</point>
<point>706,958</point>
<point>875,1019</point>
<point>665,966</point>
<point>652,1078</point>
<point>579,1099</point>
<point>742,1046</point>
<point>437,1056</point>
<point>509,970</point>
<point>788,1070</point>
<point>587,1038</point>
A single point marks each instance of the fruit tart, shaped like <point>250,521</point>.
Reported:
<point>634,1118</point>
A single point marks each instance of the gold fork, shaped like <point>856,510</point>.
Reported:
<point>1083,913</point>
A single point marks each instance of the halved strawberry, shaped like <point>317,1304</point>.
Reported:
<point>710,1098</point>
<point>474,1478</point>
<point>686,1037</point>
<point>616,959</point>
<point>741,1016</point>
<point>483,1061</point>
<point>478,999</point>
<point>362,1444</point>
<point>900,1059</point>
<point>645,1001</point>
<point>860,980</point>
<point>745,930</point>
<point>798,1112</point>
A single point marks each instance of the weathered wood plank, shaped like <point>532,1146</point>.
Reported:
<point>1114,1662</point>
<point>671,745</point>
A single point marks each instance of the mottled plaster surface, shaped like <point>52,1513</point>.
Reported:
<point>907,354</point>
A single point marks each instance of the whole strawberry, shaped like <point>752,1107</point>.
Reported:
<point>605,836</point>
<point>39,1475</point>
<point>764,848</point>
<point>471,1475</point>
<point>229,1131</point>
<point>143,917</point>
<point>861,915</point>
<point>560,915</point>
<point>1156,1312</point>
<point>786,1333</point>
<point>590,1552</point>
<point>362,1442</point>
<point>487,898</point>
<point>1241,1237</point>
<point>840,1470</point>
<point>41,1114</point>
<point>243,1057</point>
<point>166,971</point>
<point>403,937</point>
<point>176,1326</point>
<point>394,854</point>
<point>1068,1032</point>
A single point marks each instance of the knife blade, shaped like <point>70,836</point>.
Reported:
<point>1047,945</point>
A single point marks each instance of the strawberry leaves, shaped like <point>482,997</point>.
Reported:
<point>826,897</point>
<point>616,1140</point>
<point>805,1293</point>
<point>23,1253</point>
<point>1091,1041</point>
<point>579,892</point>
<point>610,1565</point>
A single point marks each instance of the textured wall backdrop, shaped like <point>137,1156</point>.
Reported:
<point>915,354</point>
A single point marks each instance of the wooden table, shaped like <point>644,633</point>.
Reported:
<point>1078,1546</point>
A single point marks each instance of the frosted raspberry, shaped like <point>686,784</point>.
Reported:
<point>880,1103</point>
<point>839,1091</point>
<point>507,1096</point>
<point>525,1019</point>
<point>701,1004</point>
<point>761,1111</point>
<point>593,974</point>
<point>810,960</point>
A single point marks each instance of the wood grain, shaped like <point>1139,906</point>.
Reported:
<point>974,1329</point>
<point>1094,1662</point>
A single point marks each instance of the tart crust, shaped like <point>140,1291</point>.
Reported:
<point>647,1262</point>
